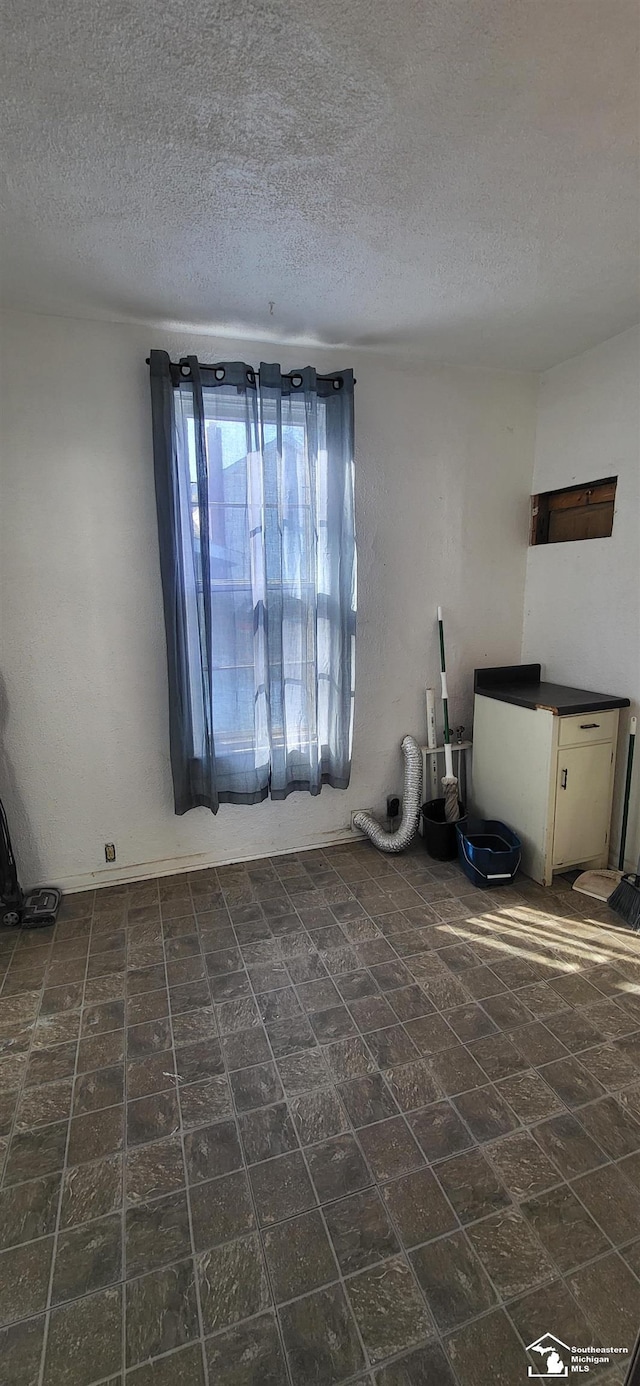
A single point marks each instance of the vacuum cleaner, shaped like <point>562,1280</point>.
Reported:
<point>37,909</point>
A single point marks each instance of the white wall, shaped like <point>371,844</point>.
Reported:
<point>444,459</point>
<point>582,600</point>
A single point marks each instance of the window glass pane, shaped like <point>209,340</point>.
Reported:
<point>268,549</point>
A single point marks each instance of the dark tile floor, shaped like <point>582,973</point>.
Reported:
<point>324,1118</point>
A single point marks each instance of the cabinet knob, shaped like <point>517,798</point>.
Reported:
<point>563,781</point>
<point>589,726</point>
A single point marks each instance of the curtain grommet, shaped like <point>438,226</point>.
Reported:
<point>219,373</point>
<point>338,382</point>
<point>185,370</point>
<point>296,381</point>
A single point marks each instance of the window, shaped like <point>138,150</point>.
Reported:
<point>574,512</point>
<point>289,576</point>
<point>257,546</point>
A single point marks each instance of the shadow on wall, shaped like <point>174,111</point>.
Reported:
<point>12,799</point>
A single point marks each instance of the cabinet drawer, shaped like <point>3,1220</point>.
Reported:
<point>588,726</point>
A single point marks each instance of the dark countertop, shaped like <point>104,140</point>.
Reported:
<point>521,684</point>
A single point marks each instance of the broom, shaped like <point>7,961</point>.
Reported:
<point>626,899</point>
<point>626,896</point>
<point>449,781</point>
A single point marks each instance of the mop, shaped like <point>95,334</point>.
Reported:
<point>601,885</point>
<point>449,781</point>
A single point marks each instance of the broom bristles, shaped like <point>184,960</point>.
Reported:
<point>626,901</point>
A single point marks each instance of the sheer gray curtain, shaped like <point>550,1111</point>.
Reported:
<point>254,490</point>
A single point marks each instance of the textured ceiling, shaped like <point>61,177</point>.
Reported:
<point>454,177</point>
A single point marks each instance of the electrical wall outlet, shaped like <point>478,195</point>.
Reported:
<point>109,851</point>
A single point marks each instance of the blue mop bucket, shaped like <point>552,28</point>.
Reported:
<point>488,851</point>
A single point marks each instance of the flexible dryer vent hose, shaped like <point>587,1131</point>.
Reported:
<point>396,842</point>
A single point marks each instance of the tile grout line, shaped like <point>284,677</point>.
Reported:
<point>306,1014</point>
<point>499,1297</point>
<point>508,988</point>
<point>194,1253</point>
<point>20,1093</point>
<point>125,1151</point>
<point>501,1301</point>
<point>362,1034</point>
<point>318,1207</point>
<point>245,1167</point>
<point>342,1280</point>
<point>48,1304</point>
<point>22,1087</point>
<point>515,1201</point>
<point>374,1186</point>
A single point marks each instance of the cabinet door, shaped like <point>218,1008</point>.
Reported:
<point>583,803</point>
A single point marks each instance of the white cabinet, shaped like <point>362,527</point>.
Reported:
<point>550,778</point>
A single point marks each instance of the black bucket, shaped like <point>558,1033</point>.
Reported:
<point>439,836</point>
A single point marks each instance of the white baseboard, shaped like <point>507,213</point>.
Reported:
<point>174,866</point>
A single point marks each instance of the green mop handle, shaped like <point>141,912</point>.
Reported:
<point>448,755</point>
<point>633,722</point>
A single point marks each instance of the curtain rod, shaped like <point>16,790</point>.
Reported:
<point>288,375</point>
